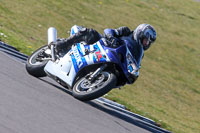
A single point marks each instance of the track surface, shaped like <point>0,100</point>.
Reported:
<point>31,105</point>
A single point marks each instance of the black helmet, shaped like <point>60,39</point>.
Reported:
<point>145,35</point>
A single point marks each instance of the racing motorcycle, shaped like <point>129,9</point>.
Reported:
<point>88,70</point>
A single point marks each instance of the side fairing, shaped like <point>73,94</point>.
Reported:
<point>83,55</point>
<point>78,57</point>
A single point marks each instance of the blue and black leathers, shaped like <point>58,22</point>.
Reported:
<point>124,33</point>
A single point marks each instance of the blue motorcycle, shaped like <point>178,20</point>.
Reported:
<point>90,71</point>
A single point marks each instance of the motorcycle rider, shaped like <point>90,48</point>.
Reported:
<point>139,39</point>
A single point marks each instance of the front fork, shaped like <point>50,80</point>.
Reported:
<point>97,72</point>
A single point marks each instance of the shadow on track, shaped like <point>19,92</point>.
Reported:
<point>58,87</point>
<point>114,113</point>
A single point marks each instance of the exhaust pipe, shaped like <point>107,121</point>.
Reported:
<point>52,37</point>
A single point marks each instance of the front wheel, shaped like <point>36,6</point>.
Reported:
<point>85,90</point>
<point>37,61</point>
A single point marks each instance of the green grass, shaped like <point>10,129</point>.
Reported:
<point>168,89</point>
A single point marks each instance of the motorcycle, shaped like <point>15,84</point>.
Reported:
<point>88,70</point>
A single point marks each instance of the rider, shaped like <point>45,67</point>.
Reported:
<point>140,39</point>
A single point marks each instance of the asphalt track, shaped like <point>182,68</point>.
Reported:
<point>32,105</point>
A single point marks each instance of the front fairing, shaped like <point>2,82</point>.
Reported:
<point>125,59</point>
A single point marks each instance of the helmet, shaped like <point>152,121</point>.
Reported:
<point>144,35</point>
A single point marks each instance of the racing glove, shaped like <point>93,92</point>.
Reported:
<point>112,41</point>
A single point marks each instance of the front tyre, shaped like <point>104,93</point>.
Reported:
<point>85,90</point>
<point>37,61</point>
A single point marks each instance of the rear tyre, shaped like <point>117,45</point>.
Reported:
<point>85,90</point>
<point>37,61</point>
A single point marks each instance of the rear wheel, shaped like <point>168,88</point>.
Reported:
<point>37,61</point>
<point>85,90</point>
